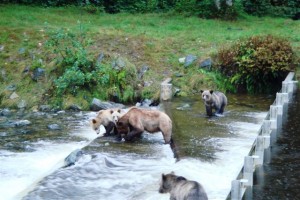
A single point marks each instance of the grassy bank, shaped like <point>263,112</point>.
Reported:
<point>155,40</point>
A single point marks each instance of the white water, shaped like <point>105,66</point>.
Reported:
<point>132,176</point>
<point>20,172</point>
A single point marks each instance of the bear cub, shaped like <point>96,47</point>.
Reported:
<point>180,188</point>
<point>108,119</point>
<point>213,100</point>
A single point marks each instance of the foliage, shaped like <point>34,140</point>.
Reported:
<point>77,71</point>
<point>201,8</point>
<point>287,8</point>
<point>220,82</point>
<point>207,9</point>
<point>257,64</point>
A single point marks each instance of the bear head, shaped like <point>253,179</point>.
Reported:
<point>206,95</point>
<point>123,126</point>
<point>116,114</point>
<point>168,181</point>
<point>104,117</point>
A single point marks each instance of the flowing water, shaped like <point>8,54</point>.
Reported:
<point>211,151</point>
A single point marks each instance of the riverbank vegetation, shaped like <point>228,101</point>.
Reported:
<point>70,55</point>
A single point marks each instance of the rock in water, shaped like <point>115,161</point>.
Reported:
<point>73,157</point>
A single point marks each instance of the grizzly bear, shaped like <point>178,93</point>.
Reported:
<point>107,118</point>
<point>137,120</point>
<point>181,189</point>
<point>214,100</point>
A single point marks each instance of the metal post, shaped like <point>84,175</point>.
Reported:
<point>248,170</point>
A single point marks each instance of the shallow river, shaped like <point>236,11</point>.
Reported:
<point>211,151</point>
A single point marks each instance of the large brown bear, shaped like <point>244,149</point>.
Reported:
<point>213,100</point>
<point>180,188</point>
<point>107,118</point>
<point>137,120</point>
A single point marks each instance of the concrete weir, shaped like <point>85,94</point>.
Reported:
<point>271,126</point>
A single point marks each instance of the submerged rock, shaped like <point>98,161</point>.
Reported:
<point>44,108</point>
<point>5,112</point>
<point>17,123</point>
<point>73,157</point>
<point>53,127</point>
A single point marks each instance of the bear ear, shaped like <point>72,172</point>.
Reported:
<point>201,91</point>
<point>163,177</point>
<point>94,121</point>
<point>211,91</point>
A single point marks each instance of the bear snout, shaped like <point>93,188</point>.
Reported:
<point>161,190</point>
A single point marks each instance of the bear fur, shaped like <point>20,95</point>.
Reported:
<point>180,188</point>
<point>108,119</point>
<point>214,100</point>
<point>137,120</point>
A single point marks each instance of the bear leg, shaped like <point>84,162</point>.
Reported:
<point>208,110</point>
<point>109,128</point>
<point>221,110</point>
<point>133,133</point>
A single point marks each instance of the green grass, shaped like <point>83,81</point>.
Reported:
<point>157,40</point>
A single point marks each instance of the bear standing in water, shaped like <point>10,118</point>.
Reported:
<point>181,189</point>
<point>136,121</point>
<point>107,118</point>
<point>214,100</point>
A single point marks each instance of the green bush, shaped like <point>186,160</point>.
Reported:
<point>283,8</point>
<point>207,9</point>
<point>77,71</point>
<point>258,64</point>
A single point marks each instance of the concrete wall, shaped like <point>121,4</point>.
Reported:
<point>267,136</point>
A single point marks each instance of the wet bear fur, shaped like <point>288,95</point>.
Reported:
<point>181,189</point>
<point>137,120</point>
<point>214,100</point>
<point>107,118</point>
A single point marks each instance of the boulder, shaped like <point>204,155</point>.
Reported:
<point>5,112</point>
<point>207,63</point>
<point>22,104</point>
<point>44,108</point>
<point>73,157</point>
<point>14,95</point>
<point>142,71</point>
<point>100,58</point>
<point>189,59</point>
<point>118,64</point>
<point>97,105</point>
<point>37,74</point>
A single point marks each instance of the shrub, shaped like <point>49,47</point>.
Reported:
<point>286,8</point>
<point>258,64</point>
<point>207,9</point>
<point>77,71</point>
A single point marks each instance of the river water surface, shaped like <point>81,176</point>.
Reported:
<point>211,151</point>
